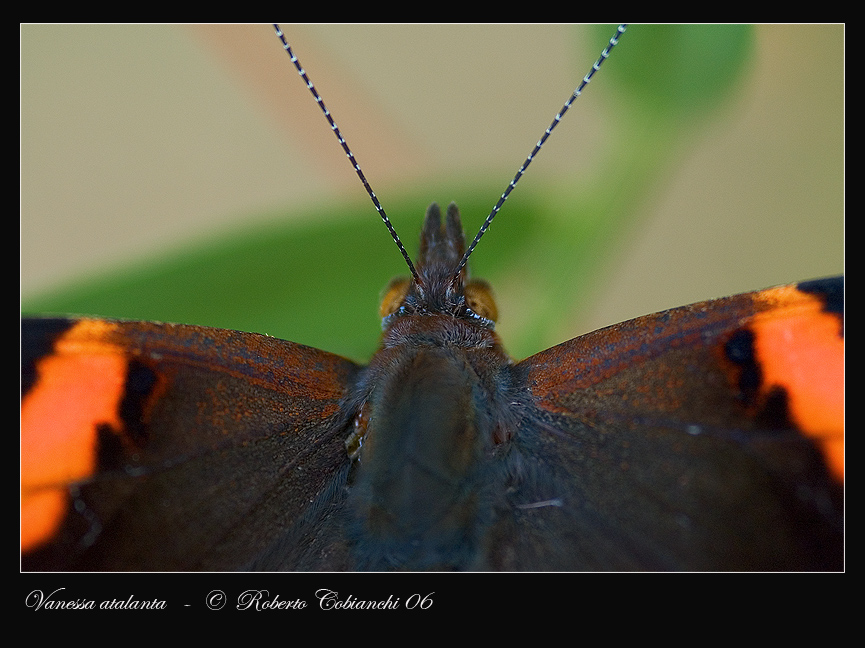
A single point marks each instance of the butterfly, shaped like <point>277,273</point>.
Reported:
<point>537,431</point>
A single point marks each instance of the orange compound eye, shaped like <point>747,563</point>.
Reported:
<point>394,295</point>
<point>479,297</point>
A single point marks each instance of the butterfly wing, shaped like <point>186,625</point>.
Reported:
<point>170,447</point>
<point>704,437</point>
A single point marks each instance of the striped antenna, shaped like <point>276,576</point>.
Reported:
<point>613,41</point>
<point>348,152</point>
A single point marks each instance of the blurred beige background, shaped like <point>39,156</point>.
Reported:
<point>136,140</point>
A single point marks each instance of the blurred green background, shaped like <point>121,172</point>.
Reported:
<point>184,173</point>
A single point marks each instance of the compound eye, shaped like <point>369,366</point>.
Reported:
<point>479,298</point>
<point>394,295</point>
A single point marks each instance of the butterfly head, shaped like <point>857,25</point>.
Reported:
<point>440,287</point>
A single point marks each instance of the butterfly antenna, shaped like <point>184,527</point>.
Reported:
<point>603,57</point>
<point>347,150</point>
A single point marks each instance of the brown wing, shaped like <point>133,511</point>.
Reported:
<point>150,446</point>
<point>686,440</point>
